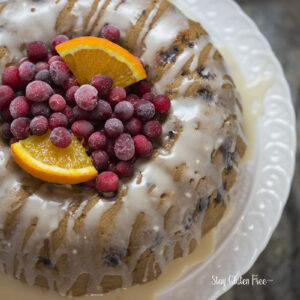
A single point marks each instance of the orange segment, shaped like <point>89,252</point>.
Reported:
<point>40,158</point>
<point>89,56</point>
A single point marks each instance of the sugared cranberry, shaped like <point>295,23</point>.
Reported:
<point>110,148</point>
<point>124,110</point>
<point>71,81</point>
<point>86,97</point>
<point>90,183</point>
<point>107,182</point>
<point>37,51</point>
<point>100,160</point>
<point>11,77</point>
<point>6,95</point>
<point>162,104</point>
<point>82,129</point>
<point>40,109</point>
<point>148,97</point>
<point>58,40</point>
<point>43,75</point>
<point>5,131</point>
<point>111,32</point>
<point>70,95</point>
<point>143,146</point>
<point>6,115</point>
<point>97,140</point>
<point>133,99</point>
<point>41,65</point>
<point>38,91</point>
<point>13,140</point>
<point>80,114</point>
<point>134,126</point>
<point>142,88</point>
<point>68,112</point>
<point>124,169</point>
<point>152,129</point>
<point>116,95</point>
<point>39,125</point>
<point>20,128</point>
<point>57,102</point>
<point>59,72</point>
<point>27,71</point>
<point>102,111</point>
<point>124,147</point>
<point>54,58</point>
<point>144,110</point>
<point>58,120</point>
<point>102,83</point>
<point>19,107</point>
<point>113,127</point>
<point>60,137</point>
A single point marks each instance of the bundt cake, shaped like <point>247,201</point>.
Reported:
<point>74,241</point>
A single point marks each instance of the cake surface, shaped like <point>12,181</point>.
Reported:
<point>68,238</point>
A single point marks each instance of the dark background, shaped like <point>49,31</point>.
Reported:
<point>279,21</point>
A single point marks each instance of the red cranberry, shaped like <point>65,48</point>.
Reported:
<point>41,65</point>
<point>124,147</point>
<point>80,114</point>
<point>82,129</point>
<point>145,110</point>
<point>57,102</point>
<point>90,183</point>
<point>107,182</point>
<point>59,72</point>
<point>40,109</point>
<point>111,32</point>
<point>38,91</point>
<point>100,160</point>
<point>11,77</point>
<point>60,137</point>
<point>134,126</point>
<point>143,146</point>
<point>58,120</point>
<point>152,129</point>
<point>148,97</point>
<point>54,58</point>
<point>19,107</point>
<point>27,71</point>
<point>113,127</point>
<point>5,114</point>
<point>37,51</point>
<point>43,75</point>
<point>116,95</point>
<point>71,81</point>
<point>97,140</point>
<point>5,131</point>
<point>86,97</point>
<point>68,112</point>
<point>102,111</point>
<point>110,148</point>
<point>133,99</point>
<point>142,88</point>
<point>39,125</point>
<point>20,128</point>
<point>162,104</point>
<point>124,169</point>
<point>58,40</point>
<point>124,110</point>
<point>6,95</point>
<point>70,95</point>
<point>102,83</point>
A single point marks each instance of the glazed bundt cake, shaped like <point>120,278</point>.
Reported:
<point>69,238</point>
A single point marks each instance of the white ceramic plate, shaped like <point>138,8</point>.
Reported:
<point>264,184</point>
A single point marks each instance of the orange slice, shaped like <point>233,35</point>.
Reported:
<point>40,158</point>
<point>89,56</point>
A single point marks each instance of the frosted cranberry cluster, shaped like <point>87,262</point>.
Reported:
<point>116,125</point>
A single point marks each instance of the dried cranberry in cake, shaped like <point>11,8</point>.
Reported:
<point>111,32</point>
<point>107,182</point>
<point>124,169</point>
<point>116,95</point>
<point>43,75</point>
<point>97,141</point>
<point>124,147</point>
<point>68,112</point>
<point>100,160</point>
<point>5,131</point>
<point>59,72</point>
<point>80,114</point>
<point>6,115</point>
<point>102,111</point>
<point>58,40</point>
<point>54,58</point>
<point>41,65</point>
<point>86,97</point>
<point>19,107</point>
<point>40,108</point>
<point>142,88</point>
<point>70,95</point>
<point>39,125</point>
<point>20,128</point>
<point>60,137</point>
<point>37,51</point>
<point>143,146</point>
<point>71,81</point>
<point>162,104</point>
<point>152,129</point>
<point>6,95</point>
<point>57,102</point>
<point>144,110</point>
<point>11,77</point>
<point>82,129</point>
<point>148,97</point>
<point>110,148</point>
<point>113,127</point>
<point>38,91</point>
<point>27,71</point>
<point>134,126</point>
<point>124,110</point>
<point>102,83</point>
<point>58,120</point>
